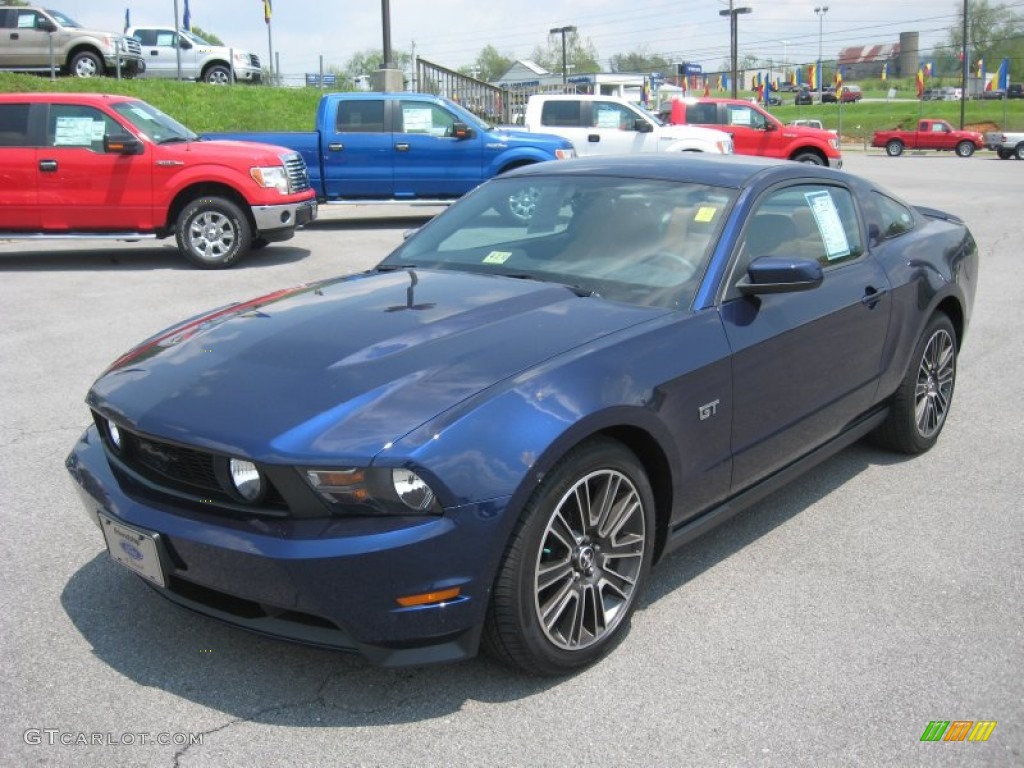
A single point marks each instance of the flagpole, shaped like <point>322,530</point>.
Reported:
<point>177,48</point>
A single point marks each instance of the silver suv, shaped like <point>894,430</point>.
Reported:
<point>25,39</point>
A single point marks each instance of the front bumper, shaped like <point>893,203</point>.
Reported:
<point>279,222</point>
<point>326,581</point>
<point>130,66</point>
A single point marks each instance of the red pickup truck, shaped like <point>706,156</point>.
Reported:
<point>930,134</point>
<point>104,166</point>
<point>756,132</point>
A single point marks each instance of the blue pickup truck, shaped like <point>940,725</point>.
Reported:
<point>406,147</point>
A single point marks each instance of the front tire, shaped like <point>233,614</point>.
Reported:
<point>965,149</point>
<point>576,564</point>
<point>811,158</point>
<point>894,148</point>
<point>213,233</point>
<point>86,64</point>
<point>921,404</point>
<point>218,75</point>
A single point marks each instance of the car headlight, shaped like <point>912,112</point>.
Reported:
<point>374,490</point>
<point>565,154</point>
<point>834,143</point>
<point>115,435</point>
<point>725,147</point>
<point>246,479</point>
<point>272,177</point>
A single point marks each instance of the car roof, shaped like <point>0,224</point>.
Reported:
<point>733,171</point>
<point>63,98</point>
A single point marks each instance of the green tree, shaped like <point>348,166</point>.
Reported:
<point>641,61</point>
<point>365,62</point>
<point>490,64</point>
<point>580,54</point>
<point>993,31</point>
<point>207,36</point>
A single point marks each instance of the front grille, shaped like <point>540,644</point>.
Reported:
<point>298,176</point>
<point>181,465</point>
<point>132,46</point>
<point>254,61</point>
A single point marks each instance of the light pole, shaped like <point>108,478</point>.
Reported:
<point>821,10</point>
<point>563,31</point>
<point>732,13</point>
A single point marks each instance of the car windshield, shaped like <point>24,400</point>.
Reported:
<point>153,123</point>
<point>194,37</point>
<point>637,241</point>
<point>63,20</point>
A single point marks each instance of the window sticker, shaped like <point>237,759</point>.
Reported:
<point>417,120</point>
<point>497,257</point>
<point>739,117</point>
<point>607,118</point>
<point>75,132</point>
<point>705,214</point>
<point>837,246</point>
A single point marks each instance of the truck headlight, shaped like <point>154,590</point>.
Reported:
<point>272,177</point>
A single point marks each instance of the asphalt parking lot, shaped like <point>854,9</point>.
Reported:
<point>826,627</point>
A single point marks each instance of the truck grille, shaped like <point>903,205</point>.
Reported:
<point>254,61</point>
<point>131,46</point>
<point>298,176</point>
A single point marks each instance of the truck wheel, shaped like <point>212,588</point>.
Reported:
<point>811,158</point>
<point>213,233</point>
<point>965,149</point>
<point>218,75</point>
<point>894,148</point>
<point>1004,154</point>
<point>1019,151</point>
<point>86,64</point>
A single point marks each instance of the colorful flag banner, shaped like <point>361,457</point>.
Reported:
<point>186,20</point>
<point>266,11</point>
<point>127,20</point>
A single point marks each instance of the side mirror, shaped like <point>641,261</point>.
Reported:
<point>122,144</point>
<point>780,274</point>
<point>642,126</point>
<point>184,44</point>
<point>45,24</point>
<point>770,126</point>
<point>462,131</point>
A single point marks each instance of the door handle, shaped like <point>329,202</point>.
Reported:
<point>872,296</point>
<point>336,146</point>
<point>594,138</point>
<point>403,147</point>
<point>48,166</point>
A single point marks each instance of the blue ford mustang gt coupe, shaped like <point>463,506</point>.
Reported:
<point>491,437</point>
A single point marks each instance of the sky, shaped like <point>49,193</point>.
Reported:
<point>452,32</point>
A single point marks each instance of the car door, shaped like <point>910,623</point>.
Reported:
<point>19,210</point>
<point>25,42</point>
<point>611,130</point>
<point>82,187</point>
<point>160,52</point>
<point>748,127</point>
<point>357,151</point>
<point>806,363</point>
<point>430,159</point>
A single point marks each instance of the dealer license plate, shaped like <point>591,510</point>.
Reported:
<point>135,550</point>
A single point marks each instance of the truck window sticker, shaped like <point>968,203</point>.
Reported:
<point>76,132</point>
<point>739,116</point>
<point>826,215</point>
<point>417,120</point>
<point>607,117</point>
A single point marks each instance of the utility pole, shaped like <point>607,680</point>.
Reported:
<point>821,10</point>
<point>562,31</point>
<point>732,13</point>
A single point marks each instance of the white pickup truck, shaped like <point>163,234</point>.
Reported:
<point>1005,144</point>
<point>200,60</point>
<point>606,125</point>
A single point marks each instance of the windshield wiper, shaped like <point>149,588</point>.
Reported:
<point>394,267</point>
<point>579,290</point>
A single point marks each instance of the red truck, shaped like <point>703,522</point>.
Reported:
<point>756,132</point>
<point>929,134</point>
<point>105,166</point>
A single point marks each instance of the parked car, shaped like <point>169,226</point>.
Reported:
<point>200,60</point>
<point>758,132</point>
<point>929,134</point>
<point>850,94</point>
<point>1015,91</point>
<point>803,98</point>
<point>1006,144</point>
<point>496,432</point>
<point>379,148</point>
<point>28,32</point>
<point>994,94</point>
<point>103,166</point>
<point>604,125</point>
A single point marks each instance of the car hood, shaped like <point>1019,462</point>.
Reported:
<point>514,137</point>
<point>344,367</point>
<point>803,131</point>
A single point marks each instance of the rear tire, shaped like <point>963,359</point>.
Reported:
<point>965,149</point>
<point>921,404</point>
<point>1004,154</point>
<point>894,148</point>
<point>1019,151</point>
<point>213,233</point>
<point>576,563</point>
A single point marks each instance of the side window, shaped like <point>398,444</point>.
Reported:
<point>896,219</point>
<point>28,20</point>
<point>561,114</point>
<point>145,36</point>
<point>14,125</point>
<point>804,221</point>
<point>608,114</point>
<point>419,117</point>
<point>166,39</point>
<point>702,114</point>
<point>70,126</point>
<point>744,116</point>
<point>360,117</point>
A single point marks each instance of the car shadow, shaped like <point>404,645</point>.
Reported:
<point>158,644</point>
<point>132,258</point>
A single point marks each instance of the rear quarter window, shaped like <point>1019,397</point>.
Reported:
<point>895,219</point>
<point>564,114</point>
<point>14,125</point>
<point>360,117</point>
<point>702,114</point>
